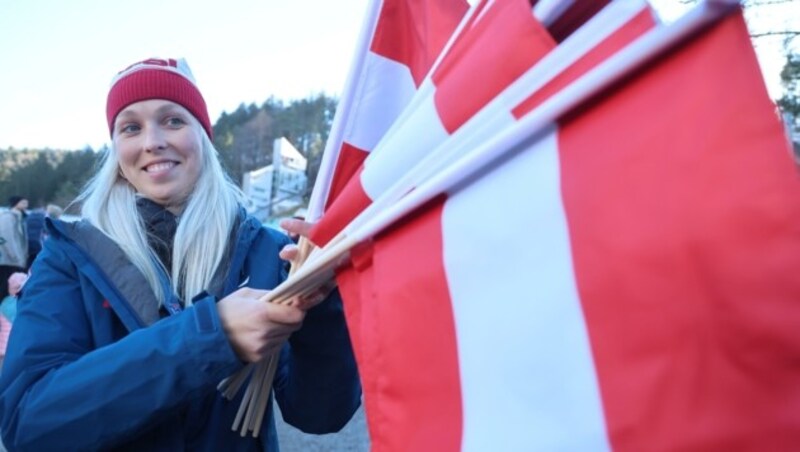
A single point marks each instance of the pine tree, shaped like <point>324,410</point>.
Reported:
<point>790,101</point>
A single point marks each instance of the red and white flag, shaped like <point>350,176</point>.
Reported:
<point>501,56</point>
<point>613,28</point>
<point>401,40</point>
<point>502,40</point>
<point>624,282</point>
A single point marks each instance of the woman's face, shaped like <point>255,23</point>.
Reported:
<point>159,145</point>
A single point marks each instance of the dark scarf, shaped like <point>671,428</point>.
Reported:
<point>160,225</point>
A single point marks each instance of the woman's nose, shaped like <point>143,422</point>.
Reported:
<point>154,139</point>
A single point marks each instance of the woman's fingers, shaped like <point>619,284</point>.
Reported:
<point>289,253</point>
<point>256,328</point>
<point>295,227</point>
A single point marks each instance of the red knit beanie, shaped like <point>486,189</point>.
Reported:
<point>157,79</point>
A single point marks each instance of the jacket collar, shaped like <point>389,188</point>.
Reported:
<point>106,265</point>
<point>103,261</point>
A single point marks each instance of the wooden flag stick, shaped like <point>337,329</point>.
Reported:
<point>243,406</point>
<point>251,394</point>
<point>231,385</point>
<point>264,394</point>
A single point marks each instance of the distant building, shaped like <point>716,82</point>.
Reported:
<point>277,189</point>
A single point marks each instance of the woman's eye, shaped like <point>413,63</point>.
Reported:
<point>175,121</point>
<point>129,128</point>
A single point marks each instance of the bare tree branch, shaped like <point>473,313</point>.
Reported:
<point>788,33</point>
<point>746,3</point>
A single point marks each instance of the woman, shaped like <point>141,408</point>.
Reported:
<point>120,339</point>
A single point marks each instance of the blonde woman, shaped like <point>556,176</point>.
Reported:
<point>132,316</point>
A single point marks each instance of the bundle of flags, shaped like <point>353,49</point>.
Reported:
<point>579,233</point>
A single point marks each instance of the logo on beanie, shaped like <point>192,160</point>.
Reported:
<point>157,78</point>
<point>154,61</point>
<point>178,66</point>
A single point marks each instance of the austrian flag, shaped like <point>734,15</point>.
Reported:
<point>500,45</point>
<point>402,40</point>
<point>503,55</point>
<point>625,280</point>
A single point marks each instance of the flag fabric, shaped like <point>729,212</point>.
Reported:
<point>502,41</point>
<point>405,39</point>
<point>623,282</point>
<point>616,27</point>
<point>491,64</point>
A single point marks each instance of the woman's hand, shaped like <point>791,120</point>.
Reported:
<point>295,228</point>
<point>255,328</point>
<point>16,281</point>
<point>292,253</point>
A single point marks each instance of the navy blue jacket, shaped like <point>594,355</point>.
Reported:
<point>91,365</point>
<point>35,224</point>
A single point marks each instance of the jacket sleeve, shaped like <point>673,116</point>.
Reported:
<point>60,391</point>
<point>316,384</point>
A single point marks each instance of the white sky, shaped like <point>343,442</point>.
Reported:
<point>59,56</point>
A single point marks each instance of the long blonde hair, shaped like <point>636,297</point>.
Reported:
<point>203,233</point>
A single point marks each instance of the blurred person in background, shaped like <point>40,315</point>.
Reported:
<point>8,310</point>
<point>53,211</point>
<point>35,225</point>
<point>13,241</point>
<point>36,231</point>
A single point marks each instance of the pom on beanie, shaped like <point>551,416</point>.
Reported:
<point>154,78</point>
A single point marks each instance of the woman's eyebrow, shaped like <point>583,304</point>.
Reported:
<point>125,113</point>
<point>169,108</point>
